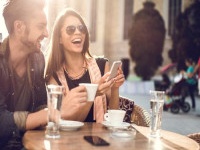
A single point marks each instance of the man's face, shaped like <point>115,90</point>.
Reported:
<point>35,31</point>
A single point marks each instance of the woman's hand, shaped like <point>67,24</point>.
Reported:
<point>119,79</point>
<point>104,85</point>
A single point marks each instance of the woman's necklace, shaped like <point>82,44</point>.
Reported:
<point>75,76</point>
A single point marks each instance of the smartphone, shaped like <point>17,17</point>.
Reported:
<point>96,140</point>
<point>113,70</point>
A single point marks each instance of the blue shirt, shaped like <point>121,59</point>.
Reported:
<point>191,80</point>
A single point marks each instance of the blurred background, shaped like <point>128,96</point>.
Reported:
<point>150,37</point>
<point>139,32</point>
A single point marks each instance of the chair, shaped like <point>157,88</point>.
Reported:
<point>134,113</point>
<point>195,136</point>
<point>140,116</point>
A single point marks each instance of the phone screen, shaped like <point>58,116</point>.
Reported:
<point>95,140</point>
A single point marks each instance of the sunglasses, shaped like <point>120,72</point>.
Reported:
<point>71,29</point>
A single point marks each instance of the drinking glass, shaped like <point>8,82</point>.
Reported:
<point>54,101</point>
<point>156,109</point>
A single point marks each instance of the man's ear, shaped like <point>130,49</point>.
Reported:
<point>19,26</point>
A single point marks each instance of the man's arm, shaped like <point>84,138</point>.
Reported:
<point>8,127</point>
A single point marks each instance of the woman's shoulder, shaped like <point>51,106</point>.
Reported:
<point>101,59</point>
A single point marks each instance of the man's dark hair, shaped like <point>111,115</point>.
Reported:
<point>20,10</point>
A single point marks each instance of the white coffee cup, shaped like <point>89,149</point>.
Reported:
<point>91,90</point>
<point>115,117</point>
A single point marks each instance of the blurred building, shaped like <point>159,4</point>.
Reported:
<point>109,22</point>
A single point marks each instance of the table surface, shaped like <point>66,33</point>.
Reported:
<point>35,139</point>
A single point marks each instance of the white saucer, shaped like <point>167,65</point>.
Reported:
<point>68,125</point>
<point>123,125</point>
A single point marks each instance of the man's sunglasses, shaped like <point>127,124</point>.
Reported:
<point>71,29</point>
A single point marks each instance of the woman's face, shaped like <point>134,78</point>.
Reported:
<point>73,35</point>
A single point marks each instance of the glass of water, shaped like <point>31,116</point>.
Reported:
<point>156,109</point>
<point>54,101</point>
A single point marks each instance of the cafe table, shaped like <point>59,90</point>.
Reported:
<point>73,140</point>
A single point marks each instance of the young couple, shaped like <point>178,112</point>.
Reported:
<point>22,89</point>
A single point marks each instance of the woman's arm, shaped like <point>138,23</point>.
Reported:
<point>112,94</point>
<point>114,91</point>
<point>104,85</point>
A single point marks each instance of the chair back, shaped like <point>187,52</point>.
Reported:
<point>195,136</point>
<point>134,113</point>
<point>127,105</point>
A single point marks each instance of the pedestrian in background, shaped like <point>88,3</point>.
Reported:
<point>190,79</point>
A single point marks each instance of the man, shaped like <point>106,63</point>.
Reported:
<point>22,87</point>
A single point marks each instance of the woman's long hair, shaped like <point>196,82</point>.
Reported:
<point>55,58</point>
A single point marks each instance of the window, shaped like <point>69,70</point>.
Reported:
<point>128,12</point>
<point>93,20</point>
<point>174,11</point>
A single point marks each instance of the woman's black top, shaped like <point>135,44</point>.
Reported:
<point>84,79</point>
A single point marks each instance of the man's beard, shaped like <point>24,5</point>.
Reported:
<point>31,46</point>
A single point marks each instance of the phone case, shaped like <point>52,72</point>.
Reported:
<point>95,140</point>
<point>113,70</point>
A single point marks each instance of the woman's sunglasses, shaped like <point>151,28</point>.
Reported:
<point>71,29</point>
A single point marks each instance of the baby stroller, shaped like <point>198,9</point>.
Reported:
<point>175,96</point>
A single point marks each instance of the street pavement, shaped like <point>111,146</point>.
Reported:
<point>182,123</point>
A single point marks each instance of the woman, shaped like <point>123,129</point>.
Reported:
<point>190,80</point>
<point>70,63</point>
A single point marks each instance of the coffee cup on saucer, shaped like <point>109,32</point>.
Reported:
<point>115,117</point>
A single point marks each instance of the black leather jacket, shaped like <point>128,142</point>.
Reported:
<point>8,129</point>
